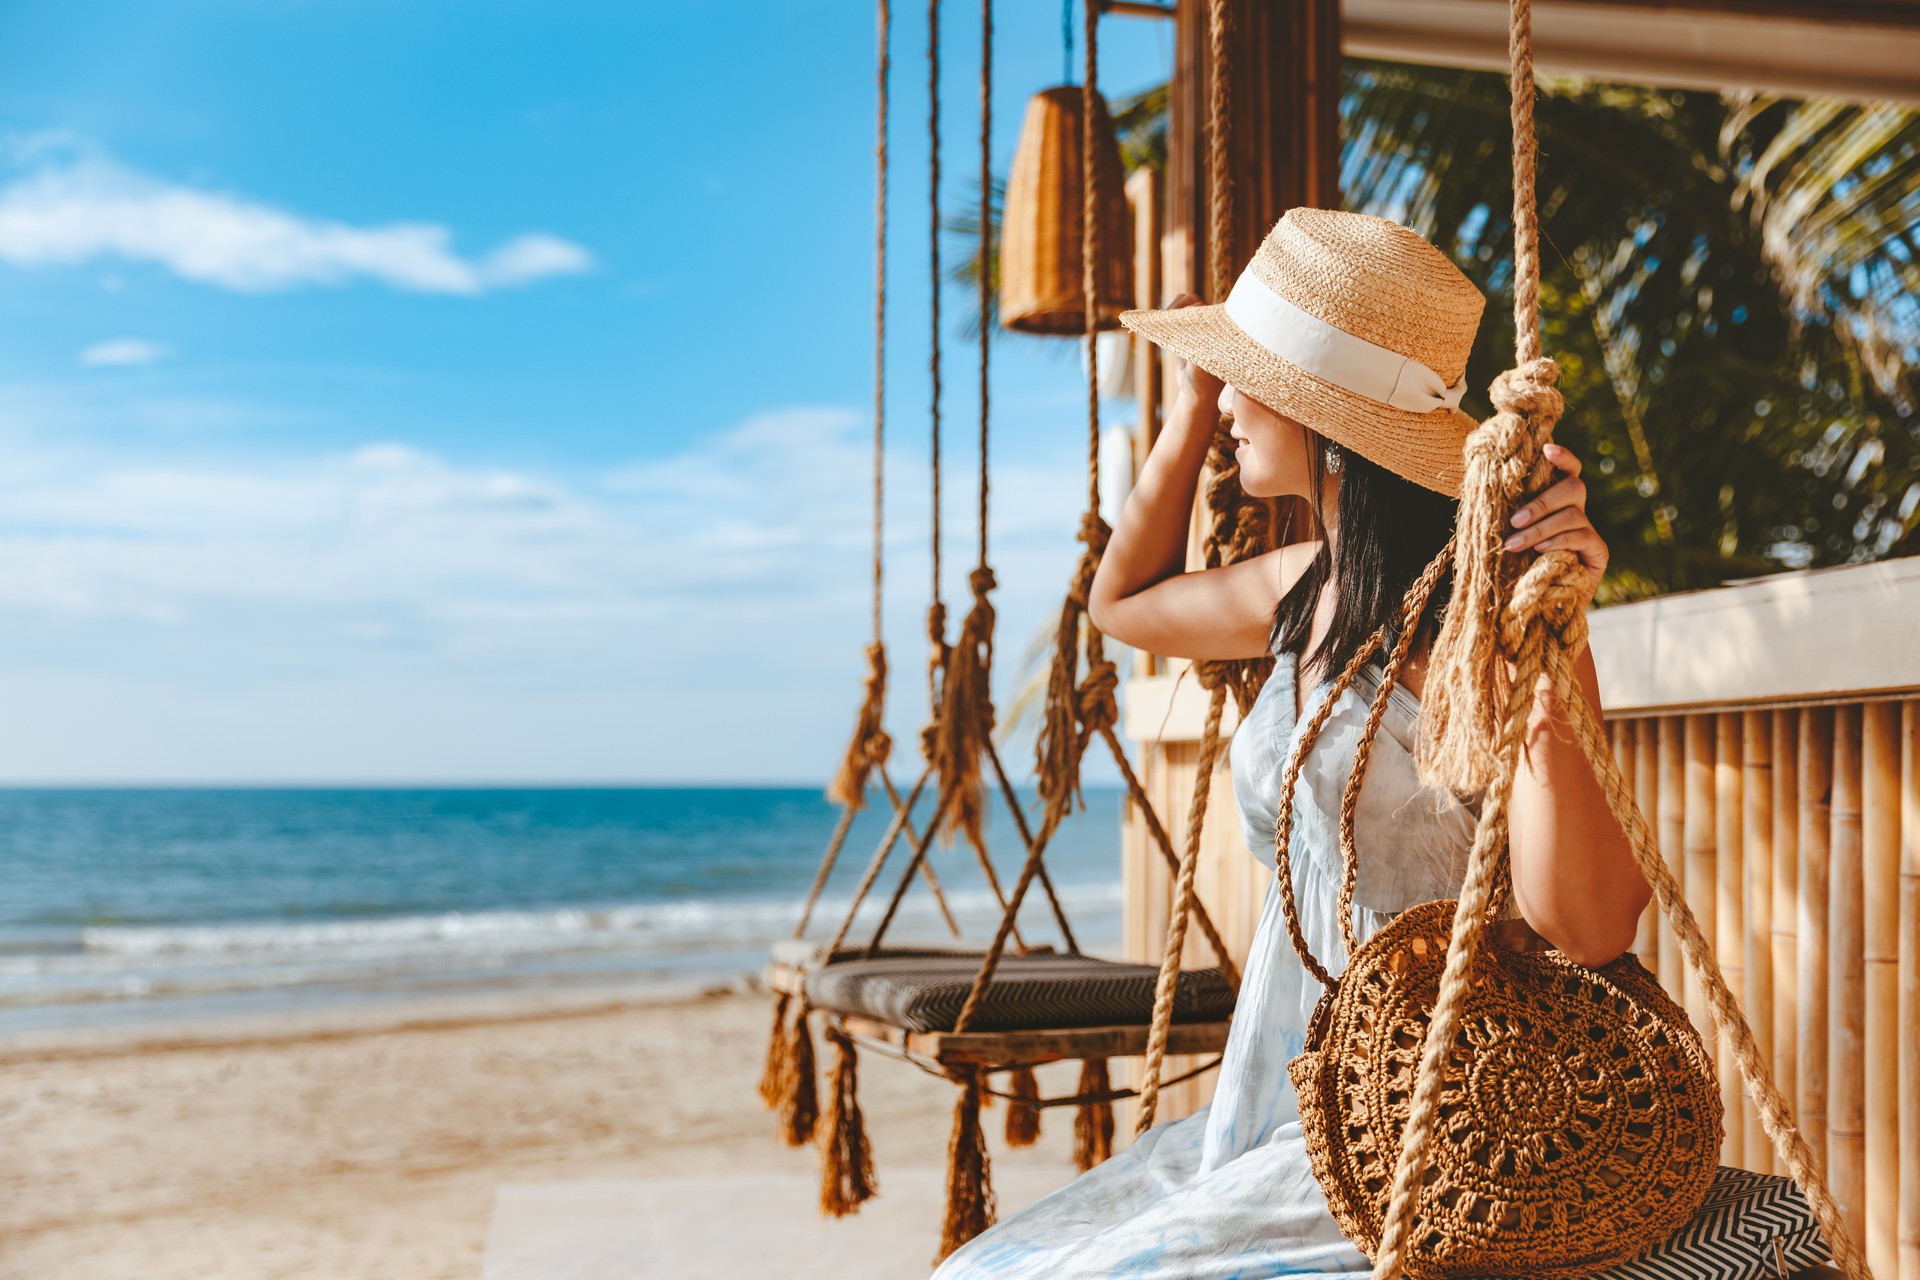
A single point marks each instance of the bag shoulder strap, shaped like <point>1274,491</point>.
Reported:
<point>1412,606</point>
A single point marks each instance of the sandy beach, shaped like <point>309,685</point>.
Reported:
<point>369,1144</point>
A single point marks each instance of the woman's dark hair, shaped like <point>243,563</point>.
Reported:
<point>1386,530</point>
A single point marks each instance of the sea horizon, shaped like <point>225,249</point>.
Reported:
<point>131,903</point>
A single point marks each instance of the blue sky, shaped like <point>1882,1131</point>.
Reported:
<point>430,391</point>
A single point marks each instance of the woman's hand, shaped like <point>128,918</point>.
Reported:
<point>1555,519</point>
<point>1195,381</point>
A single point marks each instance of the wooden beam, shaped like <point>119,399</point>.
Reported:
<point>990,1048</point>
<point>1800,48</point>
<point>1764,642</point>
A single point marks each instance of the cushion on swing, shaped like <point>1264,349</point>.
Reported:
<point>1026,993</point>
<point>1751,1226</point>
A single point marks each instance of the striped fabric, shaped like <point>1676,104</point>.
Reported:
<point>1032,992</point>
<point>1752,1226</point>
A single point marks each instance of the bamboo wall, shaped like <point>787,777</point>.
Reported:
<point>1792,822</point>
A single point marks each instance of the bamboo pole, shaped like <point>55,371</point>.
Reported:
<point>1703,886</point>
<point>1646,789</point>
<point>1756,861</point>
<point>1815,838</point>
<point>1909,1213</point>
<point>1786,898</point>
<point>1730,929</point>
<point>1880,932</point>
<point>1846,981</point>
<point>1673,843</point>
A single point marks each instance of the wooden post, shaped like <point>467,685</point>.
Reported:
<point>1646,791</point>
<point>1815,838</point>
<point>1730,930</point>
<point>1673,844</point>
<point>1283,147</point>
<point>1786,899</point>
<point>1846,986</point>
<point>1756,861</point>
<point>1880,930</point>
<point>1703,886</point>
<point>1909,1020</point>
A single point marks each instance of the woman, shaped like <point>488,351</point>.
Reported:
<point>1339,359</point>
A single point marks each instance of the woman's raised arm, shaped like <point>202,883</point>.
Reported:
<point>1142,594</point>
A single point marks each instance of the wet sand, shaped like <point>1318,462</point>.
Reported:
<point>369,1144</point>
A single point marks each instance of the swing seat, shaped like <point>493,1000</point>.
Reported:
<point>924,993</point>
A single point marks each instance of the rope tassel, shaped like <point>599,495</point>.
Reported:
<point>1092,1121</point>
<point>846,1158</point>
<point>966,713</point>
<point>800,1098</point>
<point>870,746</point>
<point>1469,690</point>
<point>970,1207</point>
<point>773,1076</point>
<point>1023,1108</point>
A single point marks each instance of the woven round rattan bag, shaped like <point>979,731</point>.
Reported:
<point>1580,1122</point>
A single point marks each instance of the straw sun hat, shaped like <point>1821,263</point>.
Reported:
<point>1351,325</point>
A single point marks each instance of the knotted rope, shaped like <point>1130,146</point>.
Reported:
<point>1504,634</point>
<point>966,716</point>
<point>1063,736</point>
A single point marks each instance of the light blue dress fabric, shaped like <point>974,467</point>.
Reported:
<point>1228,1193</point>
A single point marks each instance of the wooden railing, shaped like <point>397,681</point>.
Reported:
<point>1771,732</point>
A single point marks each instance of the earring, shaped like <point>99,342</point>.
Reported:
<point>1335,459</point>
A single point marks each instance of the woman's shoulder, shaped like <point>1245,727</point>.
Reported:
<point>1292,562</point>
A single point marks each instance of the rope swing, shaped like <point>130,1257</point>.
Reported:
<point>1476,713</point>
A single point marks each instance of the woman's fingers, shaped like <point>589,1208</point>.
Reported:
<point>1562,458</point>
<point>1569,491</point>
<point>1563,520</point>
<point>1567,529</point>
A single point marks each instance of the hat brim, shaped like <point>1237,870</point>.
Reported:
<point>1427,448</point>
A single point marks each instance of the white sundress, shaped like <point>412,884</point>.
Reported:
<point>1228,1193</point>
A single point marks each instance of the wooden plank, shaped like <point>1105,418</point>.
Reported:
<point>1908,1224</point>
<point>1862,52</point>
<point>990,1048</point>
<point>1702,883</point>
<point>1880,931</point>
<point>1640,755</point>
<point>1729,930</point>
<point>1673,843</point>
<point>1815,839</point>
<point>1786,899</point>
<point>1756,861</point>
<point>1763,642</point>
<point>1846,986</point>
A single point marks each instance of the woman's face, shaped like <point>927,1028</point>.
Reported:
<point>1273,453</point>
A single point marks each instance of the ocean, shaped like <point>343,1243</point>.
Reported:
<point>120,905</point>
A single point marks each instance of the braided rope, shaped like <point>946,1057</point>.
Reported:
<point>1157,836</point>
<point>937,610</point>
<point>1534,624</point>
<point>966,717</point>
<point>1219,134</point>
<point>1167,983</point>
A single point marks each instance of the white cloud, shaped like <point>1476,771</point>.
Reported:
<point>122,352</point>
<point>389,612</point>
<point>72,206</point>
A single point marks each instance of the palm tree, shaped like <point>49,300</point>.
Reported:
<point>1729,284</point>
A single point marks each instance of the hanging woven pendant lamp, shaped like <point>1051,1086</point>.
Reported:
<point>1040,270</point>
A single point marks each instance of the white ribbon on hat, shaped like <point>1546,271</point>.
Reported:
<point>1347,360</point>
